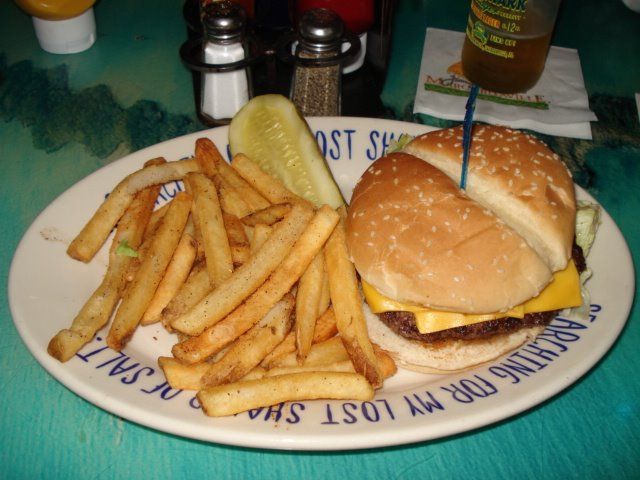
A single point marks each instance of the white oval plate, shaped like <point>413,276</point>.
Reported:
<point>47,288</point>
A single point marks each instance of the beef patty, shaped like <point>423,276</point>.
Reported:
<point>403,323</point>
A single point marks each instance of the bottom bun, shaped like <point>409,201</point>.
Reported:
<point>449,356</point>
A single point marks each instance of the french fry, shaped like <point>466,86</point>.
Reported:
<point>207,153</point>
<point>260,234</point>
<point>97,310</point>
<point>249,350</point>
<point>321,353</point>
<point>240,254</point>
<point>256,373</point>
<point>238,241</point>
<point>181,376</point>
<point>154,221</point>
<point>216,337</point>
<point>325,294</point>
<point>269,187</point>
<point>194,289</point>
<point>207,216</point>
<point>235,230</point>
<point>246,395</point>
<point>387,367</point>
<point>152,226</point>
<point>267,216</point>
<point>144,285</point>
<point>334,366</point>
<point>307,302</point>
<point>190,228</point>
<point>325,329</point>
<point>135,262</point>
<point>386,363</point>
<point>245,279</point>
<point>347,306</point>
<point>197,236</point>
<point>175,275</point>
<point>230,199</point>
<point>223,265</point>
<point>85,245</point>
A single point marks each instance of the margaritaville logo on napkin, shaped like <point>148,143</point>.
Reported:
<point>557,105</point>
<point>455,83</point>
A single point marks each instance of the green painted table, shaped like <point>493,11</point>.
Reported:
<point>62,117</point>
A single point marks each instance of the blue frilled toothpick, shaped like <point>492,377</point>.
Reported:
<point>467,127</point>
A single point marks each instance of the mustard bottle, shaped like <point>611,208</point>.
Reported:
<point>62,26</point>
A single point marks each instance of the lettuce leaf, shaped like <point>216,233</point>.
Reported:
<point>126,250</point>
<point>587,223</point>
<point>399,144</point>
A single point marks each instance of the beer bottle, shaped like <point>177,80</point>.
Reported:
<point>506,43</point>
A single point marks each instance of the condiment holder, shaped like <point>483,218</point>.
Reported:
<point>226,51</point>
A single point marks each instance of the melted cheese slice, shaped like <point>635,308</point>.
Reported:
<point>562,292</point>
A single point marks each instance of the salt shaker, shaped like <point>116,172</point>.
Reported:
<point>316,83</point>
<point>224,93</point>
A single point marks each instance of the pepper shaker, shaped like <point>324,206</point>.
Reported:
<point>224,93</point>
<point>316,82</point>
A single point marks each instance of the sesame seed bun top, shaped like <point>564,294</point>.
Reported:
<point>417,238</point>
<point>517,177</point>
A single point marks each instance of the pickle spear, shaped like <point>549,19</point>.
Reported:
<point>271,132</point>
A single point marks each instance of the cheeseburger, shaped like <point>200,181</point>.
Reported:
<point>457,278</point>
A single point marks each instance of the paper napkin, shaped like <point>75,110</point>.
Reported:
<point>557,105</point>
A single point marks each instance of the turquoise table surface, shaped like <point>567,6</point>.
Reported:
<point>64,116</point>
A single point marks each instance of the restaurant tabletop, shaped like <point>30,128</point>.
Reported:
<point>63,117</point>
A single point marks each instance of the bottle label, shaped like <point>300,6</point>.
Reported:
<point>494,25</point>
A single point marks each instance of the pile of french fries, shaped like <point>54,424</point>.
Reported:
<point>255,281</point>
